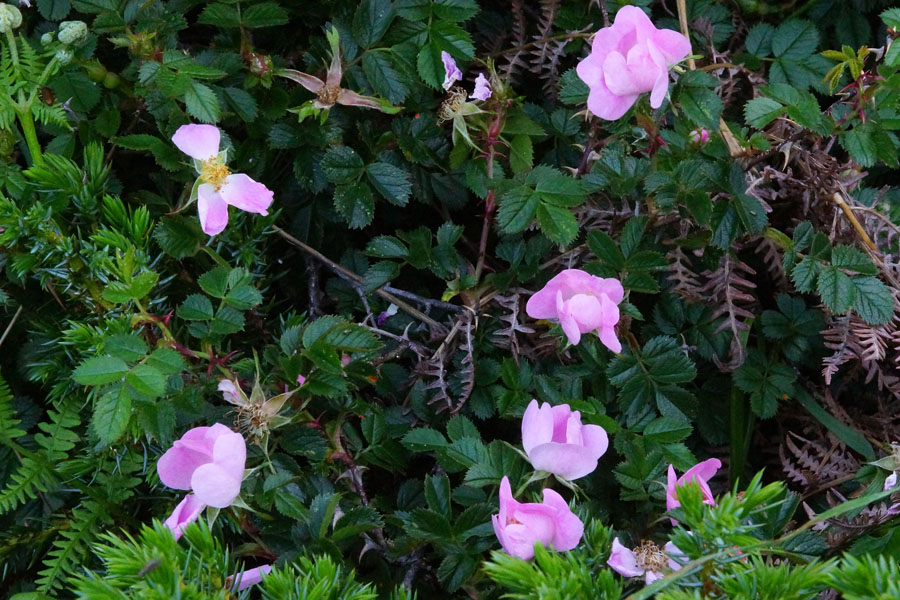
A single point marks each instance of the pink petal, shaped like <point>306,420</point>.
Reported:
<point>705,470</point>
<point>632,18</point>
<point>500,531</point>
<point>674,46</point>
<point>230,453</point>
<point>570,328</point>
<point>215,486</point>
<point>198,141</point>
<point>573,429</point>
<point>542,305</point>
<point>212,209</point>
<point>622,560</point>
<point>561,415</point>
<point>587,311</point>
<point>671,499</point>
<point>452,74</point>
<point>242,192</point>
<point>595,439</point>
<point>177,466</point>
<point>609,339</point>
<point>651,576</point>
<point>535,524</point>
<point>184,514</point>
<point>569,527</point>
<point>661,84</point>
<point>606,105</point>
<point>566,460</point>
<point>313,84</point>
<point>508,504</point>
<point>251,576</point>
<point>609,312</point>
<point>537,425</point>
<point>610,286</point>
<point>673,552</point>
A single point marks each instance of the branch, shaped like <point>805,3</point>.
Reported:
<point>355,279</point>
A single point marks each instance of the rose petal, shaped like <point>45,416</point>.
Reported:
<point>215,486</point>
<point>251,576</point>
<point>212,209</point>
<point>184,514</point>
<point>569,527</point>
<point>246,194</point>
<point>198,141</point>
<point>177,466</point>
<point>230,453</point>
<point>537,425</point>
<point>623,561</point>
<point>609,339</point>
<point>566,460</point>
<point>561,414</point>
<point>595,439</point>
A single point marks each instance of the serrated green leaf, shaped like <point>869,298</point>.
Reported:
<point>392,183</point>
<point>836,289</point>
<point>874,302</point>
<point>112,412</point>
<point>100,370</point>
<point>557,223</point>
<point>517,208</point>
<point>264,14</point>
<point>355,203</point>
<point>146,380</point>
<point>196,307</point>
<point>202,103</point>
<point>342,165</point>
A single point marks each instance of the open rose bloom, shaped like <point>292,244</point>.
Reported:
<point>208,460</point>
<point>519,526</point>
<point>555,440</point>
<point>699,474</point>
<point>219,188</point>
<point>646,560</point>
<point>582,303</point>
<point>627,59</point>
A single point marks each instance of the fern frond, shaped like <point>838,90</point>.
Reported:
<point>50,114</point>
<point>71,547</point>
<point>8,422</point>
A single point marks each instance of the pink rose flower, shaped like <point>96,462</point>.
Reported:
<point>647,560</point>
<point>452,74</point>
<point>249,577</point>
<point>581,303</point>
<point>520,526</point>
<point>209,461</point>
<point>220,187</point>
<point>555,441</point>
<point>184,514</point>
<point>700,474</point>
<point>482,88</point>
<point>301,379</point>
<point>627,59</point>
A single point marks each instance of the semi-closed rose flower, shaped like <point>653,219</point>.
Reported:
<point>209,461</point>
<point>184,514</point>
<point>519,526</point>
<point>555,440</point>
<point>700,474</point>
<point>582,303</point>
<point>627,59</point>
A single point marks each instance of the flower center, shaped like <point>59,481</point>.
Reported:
<point>650,558</point>
<point>328,95</point>
<point>451,106</point>
<point>214,173</point>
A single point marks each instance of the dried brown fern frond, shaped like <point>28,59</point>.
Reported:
<point>506,337</point>
<point>434,369</point>
<point>816,463</point>
<point>729,291</point>
<point>516,58</point>
<point>686,283</point>
<point>774,261</point>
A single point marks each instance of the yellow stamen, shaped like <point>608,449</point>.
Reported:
<point>214,173</point>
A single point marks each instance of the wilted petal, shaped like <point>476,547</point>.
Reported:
<point>452,74</point>
<point>623,561</point>
<point>198,141</point>
<point>311,83</point>
<point>482,88</point>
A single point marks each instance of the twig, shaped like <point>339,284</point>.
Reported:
<point>11,323</point>
<point>604,11</point>
<point>429,302</point>
<point>355,279</point>
<point>848,212</point>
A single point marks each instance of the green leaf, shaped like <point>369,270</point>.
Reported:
<point>455,10</point>
<point>53,10</point>
<point>517,208</point>
<point>836,289</point>
<point>392,183</point>
<point>179,237</point>
<point>557,223</point>
<point>243,297</point>
<point>423,439</point>
<point>166,361</point>
<point>752,214</point>
<point>874,302</point>
<point>698,99</point>
<point>142,284</point>
<point>379,274</point>
<point>759,112</point>
<point>342,165</point>
<point>795,40</point>
<point>606,249</point>
<point>112,412</point>
<point>241,102</point>
<point>74,86</point>
<point>128,347</point>
<point>220,15</point>
<point>387,246</point>
<point>556,188</point>
<point>196,307</point>
<point>852,259</point>
<point>264,14</point>
<point>386,82</point>
<point>853,438</point>
<point>228,320</point>
<point>146,380</point>
<point>759,40</point>
<point>372,19</point>
<point>767,384</point>
<point>100,370</point>
<point>521,153</point>
<point>215,282</point>
<point>165,154</point>
<point>202,103</point>
<point>667,430</point>
<point>355,203</point>
<point>891,18</point>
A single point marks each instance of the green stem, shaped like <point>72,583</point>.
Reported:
<point>741,425</point>
<point>13,49</point>
<point>30,133</point>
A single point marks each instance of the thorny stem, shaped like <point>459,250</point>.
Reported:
<point>159,323</point>
<point>492,139</point>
